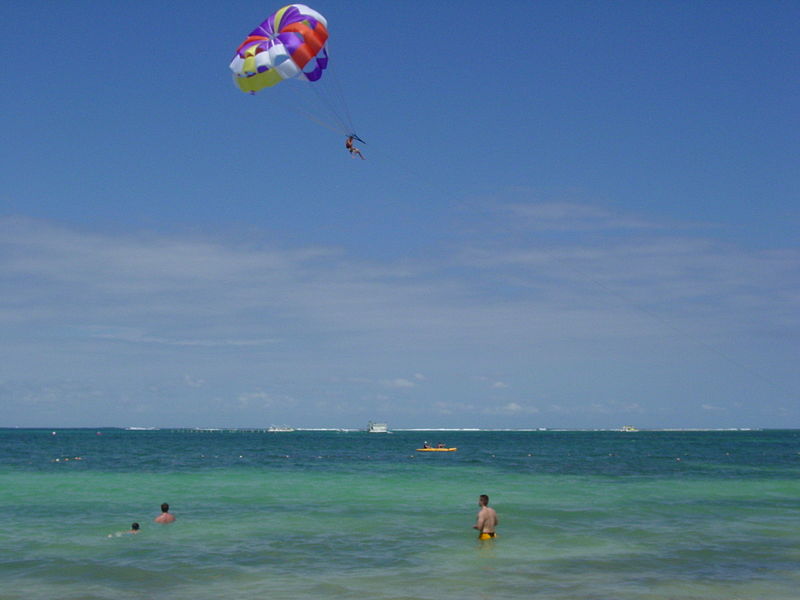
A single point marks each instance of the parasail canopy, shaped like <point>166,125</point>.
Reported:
<point>291,43</point>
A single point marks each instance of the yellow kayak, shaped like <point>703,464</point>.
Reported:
<point>436,449</point>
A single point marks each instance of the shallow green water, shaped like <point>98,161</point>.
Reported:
<point>355,515</point>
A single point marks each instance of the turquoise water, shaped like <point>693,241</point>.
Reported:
<point>584,515</point>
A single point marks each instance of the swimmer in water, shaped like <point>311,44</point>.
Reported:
<point>165,516</point>
<point>487,519</point>
<point>132,531</point>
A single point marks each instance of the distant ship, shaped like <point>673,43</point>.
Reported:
<point>628,428</point>
<point>378,427</point>
<point>280,429</point>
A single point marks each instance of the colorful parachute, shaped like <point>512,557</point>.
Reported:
<point>290,43</point>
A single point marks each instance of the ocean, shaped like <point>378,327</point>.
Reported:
<point>646,515</point>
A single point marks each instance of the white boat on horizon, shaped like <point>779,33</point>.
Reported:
<point>280,429</point>
<point>378,427</point>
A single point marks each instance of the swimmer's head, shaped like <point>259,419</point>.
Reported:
<point>483,500</point>
<point>165,507</point>
<point>134,527</point>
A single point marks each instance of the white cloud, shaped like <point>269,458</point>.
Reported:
<point>615,408</point>
<point>116,309</point>
<point>133,336</point>
<point>263,400</point>
<point>399,383</point>
<point>572,216</point>
<point>510,409</point>
<point>201,291</point>
<point>493,383</point>
<point>193,381</point>
<point>454,408</point>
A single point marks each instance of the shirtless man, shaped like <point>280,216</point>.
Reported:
<point>487,519</point>
<point>165,516</point>
<point>352,149</point>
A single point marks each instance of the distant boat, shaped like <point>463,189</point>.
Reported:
<point>280,429</point>
<point>378,427</point>
<point>628,428</point>
<point>436,449</point>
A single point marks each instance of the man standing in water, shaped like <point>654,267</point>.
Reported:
<point>165,516</point>
<point>487,519</point>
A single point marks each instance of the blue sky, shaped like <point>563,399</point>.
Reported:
<point>572,214</point>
